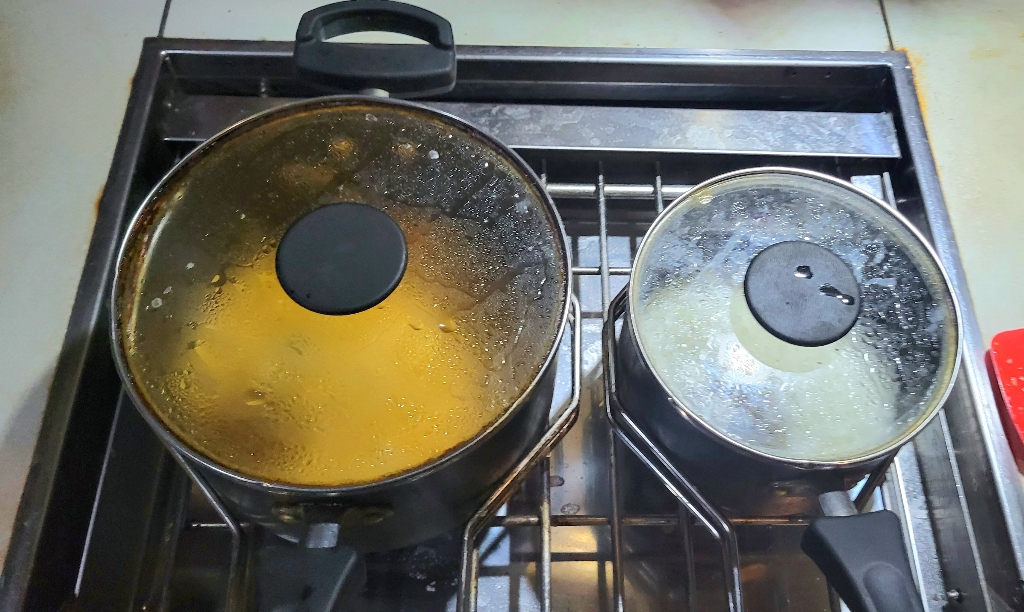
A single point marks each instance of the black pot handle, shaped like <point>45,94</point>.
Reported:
<point>865,561</point>
<point>397,69</point>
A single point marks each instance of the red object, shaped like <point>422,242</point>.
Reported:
<point>1005,362</point>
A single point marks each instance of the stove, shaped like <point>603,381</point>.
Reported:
<point>109,520</point>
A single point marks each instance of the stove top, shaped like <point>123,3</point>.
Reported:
<point>109,520</point>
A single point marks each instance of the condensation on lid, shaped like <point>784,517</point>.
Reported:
<point>840,402</point>
<point>249,378</point>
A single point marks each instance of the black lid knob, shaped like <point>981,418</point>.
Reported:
<point>802,293</point>
<point>341,258</point>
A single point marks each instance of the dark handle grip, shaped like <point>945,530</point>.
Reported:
<point>397,69</point>
<point>864,560</point>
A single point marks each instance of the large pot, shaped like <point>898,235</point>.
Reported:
<point>343,312</point>
<point>785,334</point>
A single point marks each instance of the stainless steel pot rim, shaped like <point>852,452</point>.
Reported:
<point>175,444</point>
<point>893,445</point>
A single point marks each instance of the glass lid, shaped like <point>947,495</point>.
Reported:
<point>432,250</point>
<point>795,316</point>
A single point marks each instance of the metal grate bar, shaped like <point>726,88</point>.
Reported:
<point>618,590</point>
<point>602,216</point>
<point>650,520</point>
<point>594,520</point>
<point>545,537</point>
<point>618,596</point>
<point>544,512</point>
<point>691,565</point>
<point>659,189</point>
<point>585,271</point>
<point>618,191</point>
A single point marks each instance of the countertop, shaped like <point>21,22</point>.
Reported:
<point>66,69</point>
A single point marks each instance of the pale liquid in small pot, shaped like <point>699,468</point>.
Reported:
<point>272,390</point>
<point>823,403</point>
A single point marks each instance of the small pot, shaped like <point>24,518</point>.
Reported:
<point>343,312</point>
<point>785,334</point>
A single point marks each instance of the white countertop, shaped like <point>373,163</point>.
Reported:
<point>66,69</point>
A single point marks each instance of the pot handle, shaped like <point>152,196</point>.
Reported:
<point>865,561</point>
<point>397,69</point>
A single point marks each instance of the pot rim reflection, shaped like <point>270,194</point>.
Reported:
<point>149,208</point>
<point>805,464</point>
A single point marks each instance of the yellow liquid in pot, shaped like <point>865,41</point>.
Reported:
<point>272,390</point>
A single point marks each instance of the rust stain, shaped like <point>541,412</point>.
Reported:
<point>917,67</point>
<point>983,53</point>
<point>740,9</point>
<point>96,203</point>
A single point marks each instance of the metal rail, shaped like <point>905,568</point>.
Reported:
<point>618,191</point>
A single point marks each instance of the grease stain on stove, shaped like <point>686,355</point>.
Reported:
<point>983,53</point>
<point>96,203</point>
<point>916,68</point>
